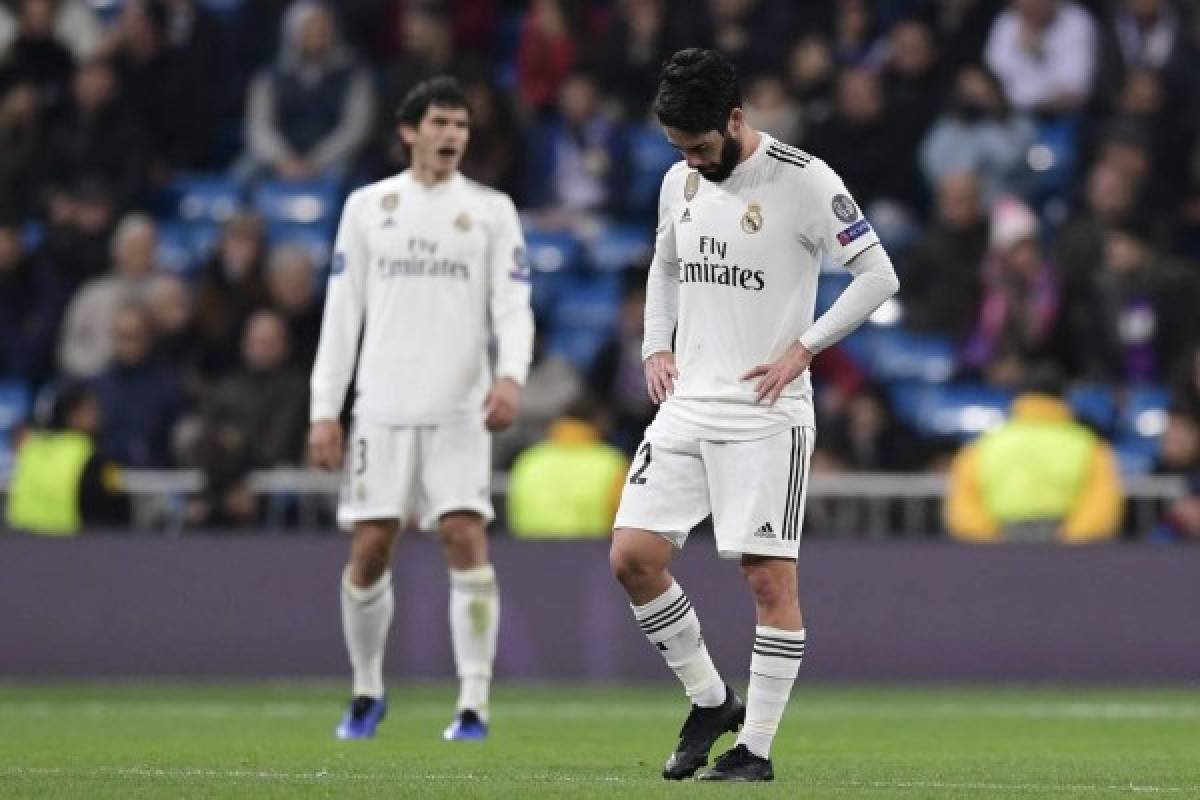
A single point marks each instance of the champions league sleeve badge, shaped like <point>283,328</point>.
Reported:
<point>844,208</point>
<point>752,220</point>
<point>691,186</point>
<point>389,202</point>
<point>463,221</point>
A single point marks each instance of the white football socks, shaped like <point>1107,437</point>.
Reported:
<point>773,669</point>
<point>474,621</point>
<point>366,617</point>
<point>673,627</point>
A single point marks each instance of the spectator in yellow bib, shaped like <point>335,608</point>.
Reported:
<point>568,486</point>
<point>59,484</point>
<point>1041,476</point>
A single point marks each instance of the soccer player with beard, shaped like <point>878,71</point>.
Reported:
<point>743,223</point>
<point>423,262</point>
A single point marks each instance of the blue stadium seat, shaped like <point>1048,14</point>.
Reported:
<point>315,203</point>
<point>1144,412</point>
<point>830,285</point>
<point>584,316</point>
<point>226,8</point>
<point>1094,404</point>
<point>1136,455</point>
<point>202,198</point>
<point>616,247</point>
<point>651,157</point>
<point>554,251</point>
<point>183,246</point>
<point>317,242</point>
<point>14,408</point>
<point>959,410</point>
<point>894,354</point>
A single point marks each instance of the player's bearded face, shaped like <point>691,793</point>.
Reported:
<point>713,154</point>
<point>731,150</point>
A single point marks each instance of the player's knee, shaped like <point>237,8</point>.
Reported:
<point>769,589</point>
<point>367,564</point>
<point>465,539</point>
<point>629,567</point>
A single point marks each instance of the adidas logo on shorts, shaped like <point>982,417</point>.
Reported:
<point>765,531</point>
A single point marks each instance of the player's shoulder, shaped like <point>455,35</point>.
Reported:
<point>800,171</point>
<point>674,180</point>
<point>486,194</point>
<point>364,195</point>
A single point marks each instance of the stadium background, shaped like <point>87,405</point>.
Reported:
<point>141,164</point>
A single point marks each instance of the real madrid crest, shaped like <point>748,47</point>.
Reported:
<point>463,221</point>
<point>752,220</point>
<point>389,202</point>
<point>691,185</point>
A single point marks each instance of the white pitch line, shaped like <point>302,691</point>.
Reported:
<point>459,777</point>
<point>648,710</point>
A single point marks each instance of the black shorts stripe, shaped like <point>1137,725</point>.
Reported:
<point>798,504</point>
<point>787,159</point>
<point>758,651</point>
<point>664,612</point>
<point>668,621</point>
<point>789,152</point>
<point>787,509</point>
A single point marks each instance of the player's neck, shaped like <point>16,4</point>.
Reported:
<point>429,177</point>
<point>749,144</point>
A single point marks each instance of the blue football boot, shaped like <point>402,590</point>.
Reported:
<point>361,719</point>
<point>467,726</point>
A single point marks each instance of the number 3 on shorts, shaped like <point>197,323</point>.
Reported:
<point>362,456</point>
<point>636,478</point>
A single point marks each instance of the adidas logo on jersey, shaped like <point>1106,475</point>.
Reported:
<point>687,216</point>
<point>765,531</point>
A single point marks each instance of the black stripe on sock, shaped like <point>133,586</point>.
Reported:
<point>666,623</point>
<point>779,640</point>
<point>788,648</point>
<point>657,615</point>
<point>772,654</point>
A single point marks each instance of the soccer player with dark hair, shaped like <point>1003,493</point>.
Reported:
<point>743,223</point>
<point>427,266</point>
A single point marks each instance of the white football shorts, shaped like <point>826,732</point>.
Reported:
<point>395,472</point>
<point>755,490</point>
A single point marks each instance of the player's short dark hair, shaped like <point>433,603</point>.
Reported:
<point>442,91</point>
<point>697,91</point>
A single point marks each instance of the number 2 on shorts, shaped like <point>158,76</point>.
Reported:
<point>636,478</point>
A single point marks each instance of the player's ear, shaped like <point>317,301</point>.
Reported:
<point>736,120</point>
<point>407,134</point>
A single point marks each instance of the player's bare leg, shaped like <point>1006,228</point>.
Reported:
<point>367,606</point>
<point>639,560</point>
<point>474,619</point>
<point>778,652</point>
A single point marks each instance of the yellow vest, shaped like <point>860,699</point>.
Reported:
<point>565,487</point>
<point>43,494</point>
<point>1034,469</point>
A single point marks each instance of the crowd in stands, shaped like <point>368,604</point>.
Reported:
<point>171,171</point>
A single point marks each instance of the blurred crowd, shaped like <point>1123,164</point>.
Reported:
<point>1033,167</point>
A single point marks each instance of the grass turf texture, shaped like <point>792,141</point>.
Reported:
<point>275,741</point>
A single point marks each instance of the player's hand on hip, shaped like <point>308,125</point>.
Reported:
<point>773,378</point>
<point>325,444</point>
<point>660,376</point>
<point>502,403</point>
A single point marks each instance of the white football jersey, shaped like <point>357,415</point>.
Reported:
<point>424,270</point>
<point>734,277</point>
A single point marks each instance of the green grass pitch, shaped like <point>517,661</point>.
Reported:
<point>273,740</point>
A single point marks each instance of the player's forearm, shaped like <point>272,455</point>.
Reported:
<point>514,341</point>
<point>662,309</point>
<point>874,282</point>
<point>335,359</point>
